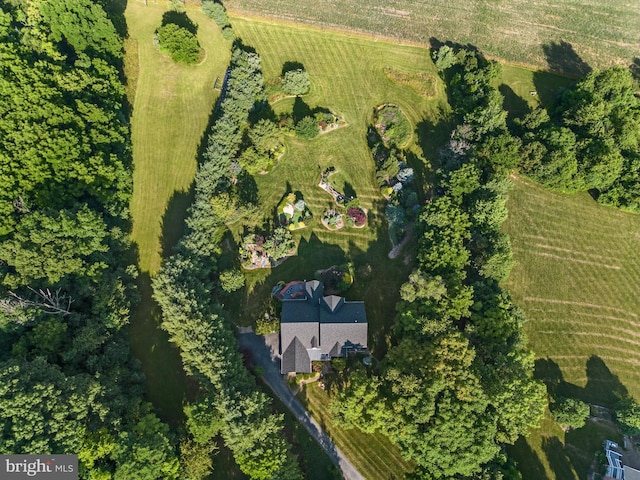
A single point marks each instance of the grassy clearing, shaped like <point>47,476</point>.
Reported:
<point>171,110</point>
<point>172,104</point>
<point>577,277</point>
<point>602,33</point>
<point>372,454</point>
<point>348,77</point>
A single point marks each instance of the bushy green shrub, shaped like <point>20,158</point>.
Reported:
<point>307,128</point>
<point>231,280</point>
<point>179,43</point>
<point>267,325</point>
<point>570,412</point>
<point>628,416</point>
<point>216,12</point>
<point>393,125</point>
<point>296,82</point>
<point>227,33</point>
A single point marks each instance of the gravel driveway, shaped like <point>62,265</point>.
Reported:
<point>265,354</point>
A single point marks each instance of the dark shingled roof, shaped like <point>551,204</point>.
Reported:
<point>295,358</point>
<point>296,311</point>
<point>329,323</point>
<point>349,312</point>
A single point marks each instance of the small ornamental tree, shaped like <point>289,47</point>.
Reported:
<point>267,325</point>
<point>179,43</point>
<point>296,82</point>
<point>357,215</point>
<point>280,244</point>
<point>307,128</point>
<point>570,412</point>
<point>231,280</point>
<point>628,416</point>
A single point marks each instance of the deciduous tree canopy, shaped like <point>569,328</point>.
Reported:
<point>68,383</point>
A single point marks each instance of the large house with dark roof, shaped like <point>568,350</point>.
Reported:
<point>317,327</point>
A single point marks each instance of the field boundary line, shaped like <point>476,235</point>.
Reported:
<point>578,304</point>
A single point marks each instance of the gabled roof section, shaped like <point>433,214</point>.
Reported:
<point>336,337</point>
<point>295,358</point>
<point>333,302</point>
<point>313,287</point>
<point>345,312</point>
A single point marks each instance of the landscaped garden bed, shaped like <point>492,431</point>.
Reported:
<point>392,125</point>
<point>395,179</point>
<point>333,220</point>
<point>258,251</point>
<point>355,216</point>
<point>293,211</point>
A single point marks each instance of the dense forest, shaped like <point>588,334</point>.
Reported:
<point>68,382</point>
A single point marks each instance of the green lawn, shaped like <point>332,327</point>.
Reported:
<point>347,75</point>
<point>373,455</point>
<point>577,277</point>
<point>171,108</point>
<point>550,453</point>
<point>601,33</point>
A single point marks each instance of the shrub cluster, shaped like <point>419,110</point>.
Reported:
<point>588,140</point>
<point>296,82</point>
<point>218,13</point>
<point>179,43</point>
<point>195,319</point>
<point>395,179</point>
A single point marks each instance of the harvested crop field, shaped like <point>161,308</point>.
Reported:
<point>565,35</point>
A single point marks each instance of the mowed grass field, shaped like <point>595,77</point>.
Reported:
<point>577,277</point>
<point>171,108</point>
<point>600,32</point>
<point>347,77</point>
<point>373,455</point>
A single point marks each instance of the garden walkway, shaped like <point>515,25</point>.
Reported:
<point>265,354</point>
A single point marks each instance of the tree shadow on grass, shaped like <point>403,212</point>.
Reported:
<point>558,460</point>
<point>431,137</point>
<point>514,104</point>
<point>635,68</point>
<point>167,385</point>
<point>246,189</point>
<point>528,461</point>
<point>289,66</point>
<point>181,19</point>
<point>562,58</point>
<point>549,86</point>
<point>602,387</point>
<point>173,220</point>
<point>349,191</point>
<point>300,110</point>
